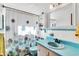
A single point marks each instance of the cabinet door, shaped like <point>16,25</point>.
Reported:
<point>52,53</point>
<point>45,52</point>
<point>42,51</point>
<point>2,51</point>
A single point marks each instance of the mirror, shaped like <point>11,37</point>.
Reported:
<point>63,18</point>
<point>23,30</point>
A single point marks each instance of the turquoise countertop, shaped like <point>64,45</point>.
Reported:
<point>70,48</point>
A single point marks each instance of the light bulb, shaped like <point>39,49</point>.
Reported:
<point>51,7</point>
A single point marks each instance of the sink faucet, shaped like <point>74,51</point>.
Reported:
<point>57,40</point>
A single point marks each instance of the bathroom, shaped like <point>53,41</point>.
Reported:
<point>29,29</point>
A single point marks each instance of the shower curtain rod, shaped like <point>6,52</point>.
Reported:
<point>17,10</point>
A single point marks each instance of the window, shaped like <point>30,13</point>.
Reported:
<point>23,30</point>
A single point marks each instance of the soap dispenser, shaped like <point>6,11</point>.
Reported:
<point>77,33</point>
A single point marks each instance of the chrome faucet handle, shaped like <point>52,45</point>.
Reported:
<point>57,40</point>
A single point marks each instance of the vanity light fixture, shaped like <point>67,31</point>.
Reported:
<point>51,6</point>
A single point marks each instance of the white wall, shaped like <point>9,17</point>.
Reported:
<point>1,12</point>
<point>63,35</point>
<point>78,13</point>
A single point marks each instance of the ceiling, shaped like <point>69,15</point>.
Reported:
<point>43,6</point>
<point>35,8</point>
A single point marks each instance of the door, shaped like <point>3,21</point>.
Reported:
<point>2,47</point>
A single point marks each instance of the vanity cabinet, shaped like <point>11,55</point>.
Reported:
<point>50,53</point>
<point>42,51</point>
